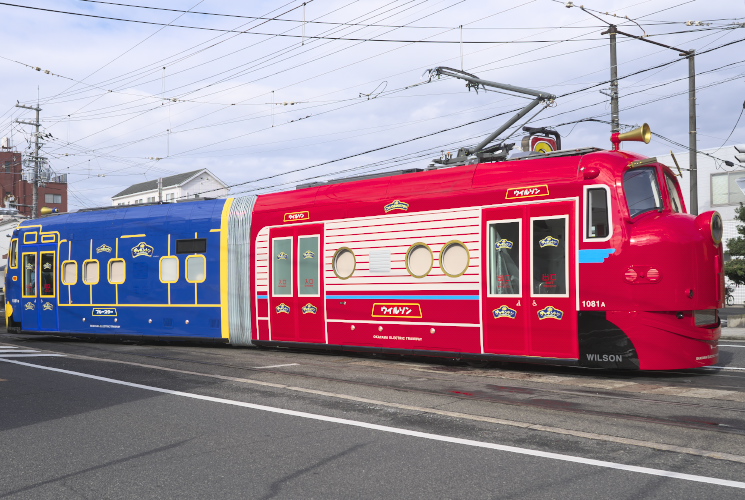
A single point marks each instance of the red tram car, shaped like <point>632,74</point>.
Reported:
<point>582,258</point>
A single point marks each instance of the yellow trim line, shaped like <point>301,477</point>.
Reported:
<point>224,268</point>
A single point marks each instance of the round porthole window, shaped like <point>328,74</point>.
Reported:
<point>344,263</point>
<point>454,259</point>
<point>419,260</point>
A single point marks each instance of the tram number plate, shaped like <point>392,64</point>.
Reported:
<point>593,303</point>
<point>107,311</point>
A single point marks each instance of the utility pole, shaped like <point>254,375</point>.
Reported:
<point>692,144</point>
<point>614,119</point>
<point>35,197</point>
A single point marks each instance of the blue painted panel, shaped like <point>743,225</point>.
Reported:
<point>595,256</point>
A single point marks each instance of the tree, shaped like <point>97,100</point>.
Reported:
<point>735,268</point>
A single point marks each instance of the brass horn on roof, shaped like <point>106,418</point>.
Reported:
<point>641,134</point>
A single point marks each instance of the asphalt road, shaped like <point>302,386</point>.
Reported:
<point>121,420</point>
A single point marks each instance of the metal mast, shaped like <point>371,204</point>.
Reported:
<point>37,163</point>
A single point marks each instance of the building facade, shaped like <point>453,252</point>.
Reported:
<point>194,184</point>
<point>717,189</point>
<point>17,188</point>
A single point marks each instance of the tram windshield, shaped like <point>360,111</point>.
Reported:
<point>642,190</point>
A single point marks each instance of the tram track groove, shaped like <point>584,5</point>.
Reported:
<point>446,413</point>
<point>701,425</point>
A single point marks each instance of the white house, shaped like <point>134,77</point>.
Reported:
<point>717,189</point>
<point>195,184</point>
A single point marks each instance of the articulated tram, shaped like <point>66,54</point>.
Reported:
<point>584,257</point>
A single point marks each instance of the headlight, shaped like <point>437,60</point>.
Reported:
<point>710,224</point>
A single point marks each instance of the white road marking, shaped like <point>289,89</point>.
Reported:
<point>725,367</point>
<point>8,347</point>
<point>5,351</point>
<point>405,432</point>
<point>275,366</point>
<point>40,355</point>
<point>731,345</point>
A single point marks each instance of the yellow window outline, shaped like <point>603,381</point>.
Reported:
<point>62,271</point>
<point>23,276</point>
<point>13,254</point>
<point>48,238</point>
<point>26,238</point>
<point>98,277</point>
<point>125,271</point>
<point>54,274</point>
<point>186,273</point>
<point>178,268</point>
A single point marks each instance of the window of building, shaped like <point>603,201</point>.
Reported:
<point>196,268</point>
<point>91,272</point>
<point>8,167</point>
<point>151,199</point>
<point>195,245</point>
<point>169,269</point>
<point>53,198</point>
<point>117,271</point>
<point>69,272</point>
<point>724,188</point>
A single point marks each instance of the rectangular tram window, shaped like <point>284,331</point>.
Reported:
<point>195,245</point>
<point>597,213</point>
<point>47,274</point>
<point>504,258</point>
<point>29,275</point>
<point>549,256</point>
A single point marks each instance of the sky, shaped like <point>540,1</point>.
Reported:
<point>271,94</point>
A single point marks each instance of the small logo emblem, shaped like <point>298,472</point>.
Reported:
<point>103,248</point>
<point>29,267</point>
<point>48,306</point>
<point>283,308</point>
<point>30,306</point>
<point>309,309</point>
<point>282,256</point>
<point>46,266</point>
<point>504,312</point>
<point>308,254</point>
<point>550,312</point>
<point>549,241</point>
<point>503,244</point>
<point>142,250</point>
<point>397,205</point>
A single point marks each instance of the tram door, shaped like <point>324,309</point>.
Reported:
<point>39,296</point>
<point>529,289</point>
<point>296,306</point>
